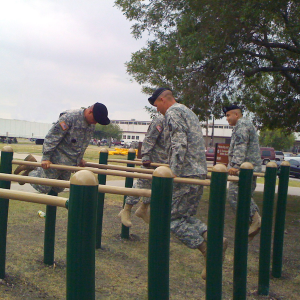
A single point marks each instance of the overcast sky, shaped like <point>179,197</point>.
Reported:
<point>65,54</point>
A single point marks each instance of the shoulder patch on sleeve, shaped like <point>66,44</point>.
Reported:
<point>159,128</point>
<point>63,125</point>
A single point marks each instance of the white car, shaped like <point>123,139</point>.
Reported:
<point>279,156</point>
<point>289,156</point>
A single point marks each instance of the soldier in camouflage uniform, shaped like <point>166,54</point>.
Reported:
<point>186,156</point>
<point>65,144</point>
<point>244,147</point>
<point>153,150</point>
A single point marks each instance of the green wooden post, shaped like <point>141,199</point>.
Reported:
<point>128,184</point>
<point>216,212</point>
<point>6,167</point>
<point>241,232</point>
<point>49,236</point>
<point>280,219</point>
<point>266,229</point>
<point>159,234</point>
<point>81,236</point>
<point>102,180</point>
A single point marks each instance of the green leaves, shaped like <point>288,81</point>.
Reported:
<point>214,52</point>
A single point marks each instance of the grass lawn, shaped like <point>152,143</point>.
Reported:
<point>121,266</point>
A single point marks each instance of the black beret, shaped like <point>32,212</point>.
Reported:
<point>100,114</point>
<point>156,94</point>
<point>230,107</point>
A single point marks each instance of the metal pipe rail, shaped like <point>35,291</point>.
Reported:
<point>112,172</point>
<point>66,184</point>
<point>33,197</point>
<point>120,168</point>
<point>135,162</point>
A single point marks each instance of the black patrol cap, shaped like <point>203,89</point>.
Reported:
<point>230,107</point>
<point>156,94</point>
<point>100,114</point>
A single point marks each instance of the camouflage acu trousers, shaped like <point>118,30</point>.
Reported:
<point>139,184</point>
<point>51,174</point>
<point>232,196</point>
<point>184,225</point>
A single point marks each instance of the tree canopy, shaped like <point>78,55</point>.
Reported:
<point>211,53</point>
<point>107,131</point>
<point>278,139</point>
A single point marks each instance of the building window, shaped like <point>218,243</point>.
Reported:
<point>135,123</point>
<point>137,137</point>
<point>133,137</point>
<point>124,136</point>
<point>128,137</point>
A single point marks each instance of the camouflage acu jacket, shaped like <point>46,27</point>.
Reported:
<point>244,145</point>
<point>153,147</point>
<point>68,138</point>
<point>184,142</point>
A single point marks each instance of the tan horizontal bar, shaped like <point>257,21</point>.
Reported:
<point>110,172</point>
<point>258,174</point>
<point>121,168</point>
<point>229,178</point>
<point>66,184</point>
<point>33,197</point>
<point>134,162</point>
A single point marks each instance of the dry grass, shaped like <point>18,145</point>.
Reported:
<point>121,266</point>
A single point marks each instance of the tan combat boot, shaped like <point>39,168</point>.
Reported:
<point>203,249</point>
<point>21,168</point>
<point>124,214</point>
<point>142,212</point>
<point>255,225</point>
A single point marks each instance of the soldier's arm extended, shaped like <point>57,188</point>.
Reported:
<point>54,137</point>
<point>240,147</point>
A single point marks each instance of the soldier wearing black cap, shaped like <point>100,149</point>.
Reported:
<point>186,156</point>
<point>65,143</point>
<point>244,147</point>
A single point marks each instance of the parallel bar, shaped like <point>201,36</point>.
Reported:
<point>266,229</point>
<point>112,172</point>
<point>136,162</point>
<point>66,184</point>
<point>118,167</point>
<point>216,212</point>
<point>33,197</point>
<point>241,232</point>
<point>280,219</point>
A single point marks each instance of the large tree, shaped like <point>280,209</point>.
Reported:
<point>277,139</point>
<point>108,131</point>
<point>215,52</point>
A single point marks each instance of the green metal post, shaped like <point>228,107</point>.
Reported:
<point>215,231</point>
<point>6,167</point>
<point>266,229</point>
<point>49,236</point>
<point>102,180</point>
<point>81,236</point>
<point>280,219</point>
<point>241,232</point>
<point>159,234</point>
<point>128,184</point>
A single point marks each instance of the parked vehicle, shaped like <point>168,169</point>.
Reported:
<point>267,154</point>
<point>210,154</point>
<point>279,156</point>
<point>295,167</point>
